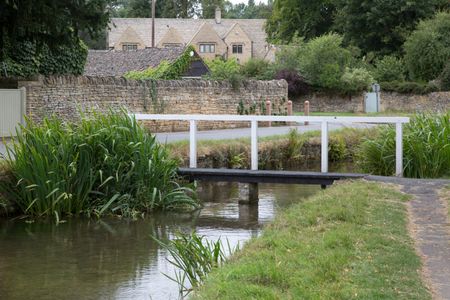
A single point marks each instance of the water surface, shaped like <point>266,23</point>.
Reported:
<point>117,259</point>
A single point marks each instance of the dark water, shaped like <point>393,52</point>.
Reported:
<point>117,259</point>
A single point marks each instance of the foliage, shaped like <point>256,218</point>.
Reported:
<point>194,257</point>
<point>30,58</point>
<point>389,68</point>
<point>249,11</point>
<point>297,84</point>
<point>323,61</point>
<point>381,26</point>
<point>307,18</point>
<point>348,242</point>
<point>256,68</point>
<point>409,87</point>
<point>287,56</point>
<point>102,164</point>
<point>427,50</point>
<point>356,80</point>
<point>445,78</point>
<point>42,36</point>
<point>426,148</point>
<point>166,70</point>
<point>221,69</point>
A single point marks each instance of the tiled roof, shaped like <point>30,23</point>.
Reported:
<point>117,63</point>
<point>187,29</point>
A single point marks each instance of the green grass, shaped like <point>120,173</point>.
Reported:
<point>354,114</point>
<point>348,242</point>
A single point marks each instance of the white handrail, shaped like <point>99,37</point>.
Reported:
<point>399,121</point>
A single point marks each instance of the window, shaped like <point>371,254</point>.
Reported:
<point>172,45</point>
<point>237,49</point>
<point>129,46</point>
<point>207,48</point>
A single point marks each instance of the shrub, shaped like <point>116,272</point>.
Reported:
<point>409,87</point>
<point>426,149</point>
<point>427,49</point>
<point>389,68</point>
<point>287,55</point>
<point>103,164</point>
<point>323,61</point>
<point>445,78</point>
<point>356,80</point>
<point>297,84</point>
<point>256,68</point>
<point>221,69</point>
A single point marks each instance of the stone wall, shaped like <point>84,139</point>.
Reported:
<point>433,102</point>
<point>64,96</point>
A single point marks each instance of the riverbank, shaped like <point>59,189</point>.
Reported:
<point>350,241</point>
<point>293,150</point>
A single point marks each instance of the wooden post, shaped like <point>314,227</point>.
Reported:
<point>289,111</point>
<point>254,145</point>
<point>153,22</point>
<point>306,110</point>
<point>192,144</point>
<point>268,111</point>
<point>398,150</point>
<point>324,155</point>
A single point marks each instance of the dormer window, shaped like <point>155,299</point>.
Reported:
<point>207,48</point>
<point>237,49</point>
<point>129,46</point>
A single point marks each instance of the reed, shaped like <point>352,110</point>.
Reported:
<point>106,163</point>
<point>194,257</point>
<point>426,148</point>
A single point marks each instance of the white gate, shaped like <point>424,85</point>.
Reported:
<point>12,110</point>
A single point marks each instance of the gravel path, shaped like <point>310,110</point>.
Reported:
<point>430,229</point>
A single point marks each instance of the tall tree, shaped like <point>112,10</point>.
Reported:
<point>307,18</point>
<point>250,11</point>
<point>209,7</point>
<point>381,26</point>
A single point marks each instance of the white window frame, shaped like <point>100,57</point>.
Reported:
<point>238,46</point>
<point>207,48</point>
<point>129,46</point>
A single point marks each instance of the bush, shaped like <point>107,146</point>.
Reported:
<point>389,68</point>
<point>103,164</point>
<point>356,80</point>
<point>256,68</point>
<point>445,78</point>
<point>286,58</point>
<point>426,149</point>
<point>409,87</point>
<point>28,58</point>
<point>297,84</point>
<point>427,49</point>
<point>221,69</point>
<point>323,61</point>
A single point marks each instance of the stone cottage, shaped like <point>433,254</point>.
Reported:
<point>239,38</point>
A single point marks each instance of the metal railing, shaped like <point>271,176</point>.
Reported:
<point>193,119</point>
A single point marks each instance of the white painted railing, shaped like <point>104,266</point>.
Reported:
<point>193,119</point>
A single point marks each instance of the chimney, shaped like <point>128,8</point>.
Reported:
<point>218,15</point>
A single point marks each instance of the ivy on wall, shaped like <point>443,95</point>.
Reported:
<point>166,70</point>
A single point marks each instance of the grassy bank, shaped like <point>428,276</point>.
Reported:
<point>348,242</point>
<point>275,152</point>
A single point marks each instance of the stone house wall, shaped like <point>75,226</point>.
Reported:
<point>64,96</point>
<point>390,102</point>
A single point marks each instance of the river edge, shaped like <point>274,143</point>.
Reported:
<point>350,241</point>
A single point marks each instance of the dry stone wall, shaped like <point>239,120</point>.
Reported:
<point>433,102</point>
<point>65,96</point>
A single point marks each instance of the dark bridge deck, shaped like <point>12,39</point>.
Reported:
<point>264,176</point>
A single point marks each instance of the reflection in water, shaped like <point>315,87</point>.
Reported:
<point>117,259</point>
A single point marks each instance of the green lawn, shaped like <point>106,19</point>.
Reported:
<point>348,242</point>
<point>353,114</point>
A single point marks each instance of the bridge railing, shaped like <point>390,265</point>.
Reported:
<point>324,121</point>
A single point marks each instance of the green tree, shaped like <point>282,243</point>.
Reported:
<point>307,18</point>
<point>209,8</point>
<point>381,26</point>
<point>427,50</point>
<point>250,11</point>
<point>164,8</point>
<point>48,32</point>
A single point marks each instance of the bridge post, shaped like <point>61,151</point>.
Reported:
<point>324,155</point>
<point>398,150</point>
<point>254,145</point>
<point>192,144</point>
<point>248,193</point>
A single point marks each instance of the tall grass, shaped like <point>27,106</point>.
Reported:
<point>194,257</point>
<point>106,163</point>
<point>426,148</point>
